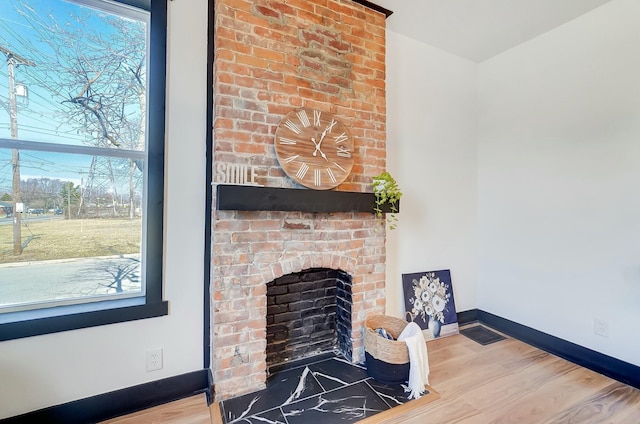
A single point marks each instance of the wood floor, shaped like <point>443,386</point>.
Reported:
<point>505,382</point>
<point>192,410</point>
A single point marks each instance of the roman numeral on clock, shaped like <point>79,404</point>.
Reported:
<point>343,152</point>
<point>340,138</point>
<point>337,165</point>
<point>304,119</point>
<point>291,158</point>
<point>316,118</point>
<point>293,127</point>
<point>302,171</point>
<point>317,177</point>
<point>284,140</point>
<point>331,176</point>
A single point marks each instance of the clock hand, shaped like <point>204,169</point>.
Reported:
<point>313,140</point>
<point>326,130</point>
<point>323,135</point>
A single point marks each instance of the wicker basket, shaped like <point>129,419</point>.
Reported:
<point>387,360</point>
<point>390,351</point>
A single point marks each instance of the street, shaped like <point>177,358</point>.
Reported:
<point>26,219</point>
<point>68,279</point>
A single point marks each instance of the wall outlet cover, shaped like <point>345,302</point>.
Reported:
<point>600,327</point>
<point>154,360</point>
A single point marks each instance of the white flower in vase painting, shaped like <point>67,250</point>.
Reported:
<point>430,298</point>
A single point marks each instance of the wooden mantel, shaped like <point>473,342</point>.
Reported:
<point>252,198</point>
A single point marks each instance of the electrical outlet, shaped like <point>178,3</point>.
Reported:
<point>600,327</point>
<point>154,360</point>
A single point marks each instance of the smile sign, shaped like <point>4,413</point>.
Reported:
<point>238,174</point>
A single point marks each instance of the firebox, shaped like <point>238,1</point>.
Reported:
<point>308,313</point>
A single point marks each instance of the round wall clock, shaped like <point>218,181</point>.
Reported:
<point>314,148</point>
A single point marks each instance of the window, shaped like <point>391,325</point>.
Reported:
<point>81,163</point>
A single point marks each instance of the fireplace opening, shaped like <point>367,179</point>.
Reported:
<point>308,313</point>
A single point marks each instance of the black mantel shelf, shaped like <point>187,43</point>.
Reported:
<point>252,198</point>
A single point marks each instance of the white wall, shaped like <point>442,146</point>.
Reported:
<point>559,181</point>
<point>48,370</point>
<point>431,151</point>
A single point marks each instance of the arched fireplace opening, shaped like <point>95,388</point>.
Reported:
<point>308,313</point>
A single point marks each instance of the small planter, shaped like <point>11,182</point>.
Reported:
<point>386,191</point>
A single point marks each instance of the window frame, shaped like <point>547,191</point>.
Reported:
<point>28,323</point>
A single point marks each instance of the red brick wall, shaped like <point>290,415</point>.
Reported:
<point>271,57</point>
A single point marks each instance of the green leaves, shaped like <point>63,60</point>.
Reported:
<point>386,191</point>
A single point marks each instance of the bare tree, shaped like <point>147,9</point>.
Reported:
<point>41,192</point>
<point>70,195</point>
<point>97,76</point>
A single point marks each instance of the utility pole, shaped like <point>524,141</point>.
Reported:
<point>12,61</point>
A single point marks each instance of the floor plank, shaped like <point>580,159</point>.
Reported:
<point>216,414</point>
<point>191,410</point>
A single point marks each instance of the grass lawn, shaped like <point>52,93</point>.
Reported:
<point>75,238</point>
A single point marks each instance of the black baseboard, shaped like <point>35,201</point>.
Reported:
<point>120,402</point>
<point>467,317</point>
<point>603,364</point>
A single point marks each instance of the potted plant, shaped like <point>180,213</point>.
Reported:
<point>386,190</point>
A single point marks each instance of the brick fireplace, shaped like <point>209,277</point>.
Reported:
<point>271,57</point>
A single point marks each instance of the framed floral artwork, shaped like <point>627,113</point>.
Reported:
<point>428,299</point>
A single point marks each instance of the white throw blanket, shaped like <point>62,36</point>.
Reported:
<point>418,359</point>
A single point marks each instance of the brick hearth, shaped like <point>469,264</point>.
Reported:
<point>271,57</point>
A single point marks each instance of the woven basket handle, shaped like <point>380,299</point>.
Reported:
<point>410,315</point>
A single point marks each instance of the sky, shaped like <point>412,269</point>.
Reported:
<point>17,35</point>
<point>41,116</point>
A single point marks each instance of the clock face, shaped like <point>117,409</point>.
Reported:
<point>314,148</point>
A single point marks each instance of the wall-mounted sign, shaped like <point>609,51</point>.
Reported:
<point>233,173</point>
